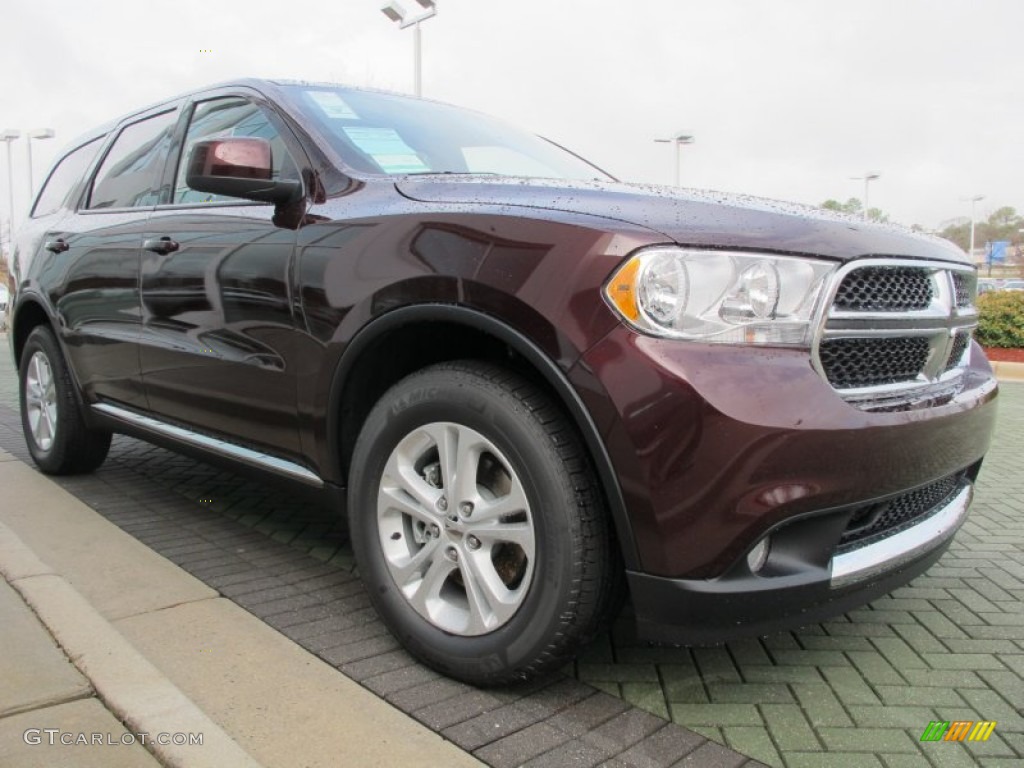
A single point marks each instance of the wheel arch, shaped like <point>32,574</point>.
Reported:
<point>28,316</point>
<point>31,313</point>
<point>369,365</point>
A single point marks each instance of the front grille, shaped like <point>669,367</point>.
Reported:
<point>965,284</point>
<point>896,335</point>
<point>872,362</point>
<point>885,289</point>
<point>956,352</point>
<point>876,521</point>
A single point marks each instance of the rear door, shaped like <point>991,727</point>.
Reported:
<point>91,255</point>
<point>218,330</point>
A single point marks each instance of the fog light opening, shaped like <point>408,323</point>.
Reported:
<point>758,556</point>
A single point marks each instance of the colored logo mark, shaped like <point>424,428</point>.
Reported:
<point>958,730</point>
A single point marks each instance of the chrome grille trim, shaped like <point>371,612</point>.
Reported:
<point>943,323</point>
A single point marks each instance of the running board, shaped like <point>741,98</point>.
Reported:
<point>212,444</point>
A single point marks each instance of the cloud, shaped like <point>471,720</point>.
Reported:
<point>787,99</point>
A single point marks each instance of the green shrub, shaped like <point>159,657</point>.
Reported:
<point>1001,321</point>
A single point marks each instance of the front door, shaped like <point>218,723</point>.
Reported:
<point>216,300</point>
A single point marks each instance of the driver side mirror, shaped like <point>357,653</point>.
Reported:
<point>238,167</point>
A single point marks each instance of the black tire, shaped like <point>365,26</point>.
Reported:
<point>576,572</point>
<point>73,448</point>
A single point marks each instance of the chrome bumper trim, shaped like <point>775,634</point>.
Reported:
<point>212,444</point>
<point>902,547</point>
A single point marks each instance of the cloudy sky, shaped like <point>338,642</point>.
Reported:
<point>787,98</point>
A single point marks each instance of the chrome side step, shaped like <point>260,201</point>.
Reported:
<point>213,445</point>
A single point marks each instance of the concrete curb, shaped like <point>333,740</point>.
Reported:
<point>134,690</point>
<point>1006,371</point>
<point>280,704</point>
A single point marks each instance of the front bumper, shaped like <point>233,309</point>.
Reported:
<point>715,447</point>
<point>701,611</point>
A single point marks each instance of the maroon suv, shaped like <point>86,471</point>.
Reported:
<point>529,385</point>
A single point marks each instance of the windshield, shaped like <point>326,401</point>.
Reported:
<point>382,133</point>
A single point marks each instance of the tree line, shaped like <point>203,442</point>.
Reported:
<point>855,207</point>
<point>1004,224</point>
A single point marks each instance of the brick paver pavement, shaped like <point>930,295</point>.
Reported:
<point>854,691</point>
<point>862,687</point>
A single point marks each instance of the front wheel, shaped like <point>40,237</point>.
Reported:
<point>55,430</point>
<point>478,525</point>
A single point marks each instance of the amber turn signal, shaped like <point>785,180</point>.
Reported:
<point>621,290</point>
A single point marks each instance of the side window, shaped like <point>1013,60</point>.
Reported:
<point>64,176</point>
<point>220,118</point>
<point>130,174</point>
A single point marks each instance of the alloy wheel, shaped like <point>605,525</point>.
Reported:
<point>456,529</point>
<point>41,401</point>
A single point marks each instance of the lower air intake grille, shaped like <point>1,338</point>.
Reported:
<point>875,521</point>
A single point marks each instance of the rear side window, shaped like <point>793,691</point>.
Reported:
<point>64,177</point>
<point>131,172</point>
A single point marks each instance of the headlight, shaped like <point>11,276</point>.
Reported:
<point>725,297</point>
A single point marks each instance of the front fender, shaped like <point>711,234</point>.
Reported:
<point>554,372</point>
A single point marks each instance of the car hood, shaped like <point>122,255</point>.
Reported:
<point>693,217</point>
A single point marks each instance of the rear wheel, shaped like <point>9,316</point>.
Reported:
<point>477,524</point>
<point>55,430</point>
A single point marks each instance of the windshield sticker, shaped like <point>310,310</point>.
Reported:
<point>386,148</point>
<point>332,105</point>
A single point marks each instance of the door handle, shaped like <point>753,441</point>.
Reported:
<point>56,246</point>
<point>161,245</point>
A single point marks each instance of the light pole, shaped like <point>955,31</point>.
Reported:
<point>867,178</point>
<point>37,133</point>
<point>396,13</point>
<point>680,138</point>
<point>974,200</point>
<point>7,136</point>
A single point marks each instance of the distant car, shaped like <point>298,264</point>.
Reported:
<point>1012,285</point>
<point>534,384</point>
<point>988,284</point>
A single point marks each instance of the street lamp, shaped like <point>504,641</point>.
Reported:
<point>37,133</point>
<point>974,200</point>
<point>7,136</point>
<point>396,13</point>
<point>867,178</point>
<point>681,137</point>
